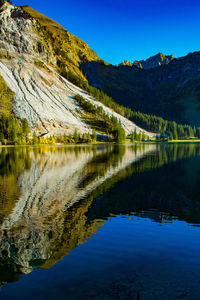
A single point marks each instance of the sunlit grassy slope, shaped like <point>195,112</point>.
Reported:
<point>70,50</point>
<point>6,98</point>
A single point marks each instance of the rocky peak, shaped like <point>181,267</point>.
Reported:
<point>154,61</point>
<point>126,63</point>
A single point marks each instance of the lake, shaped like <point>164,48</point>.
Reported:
<point>100,222</point>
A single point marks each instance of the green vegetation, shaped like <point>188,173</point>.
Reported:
<point>13,131</point>
<point>69,50</point>
<point>12,162</point>
<point>101,121</point>
<point>161,91</point>
<point>139,136</point>
<point>168,129</point>
<point>6,98</point>
<point>75,138</point>
<point>96,93</point>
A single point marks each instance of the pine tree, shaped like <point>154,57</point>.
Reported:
<point>94,136</point>
<point>198,132</point>
<point>89,139</point>
<point>120,134</point>
<point>35,140</point>
<point>135,134</point>
<point>25,127</point>
<point>76,138</point>
<point>132,137</point>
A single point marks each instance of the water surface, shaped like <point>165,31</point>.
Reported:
<point>100,222</point>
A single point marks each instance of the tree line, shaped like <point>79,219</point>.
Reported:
<point>75,138</point>
<point>16,132</point>
<point>167,129</point>
<point>139,137</point>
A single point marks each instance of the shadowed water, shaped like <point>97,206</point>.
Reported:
<point>100,222</point>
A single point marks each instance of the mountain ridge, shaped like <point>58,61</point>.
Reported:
<point>154,61</point>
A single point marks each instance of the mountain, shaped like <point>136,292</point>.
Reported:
<point>154,61</point>
<point>150,63</point>
<point>39,61</point>
<point>43,224</point>
<point>171,90</point>
<point>34,54</point>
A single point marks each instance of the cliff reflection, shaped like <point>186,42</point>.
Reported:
<point>50,197</point>
<point>40,220</point>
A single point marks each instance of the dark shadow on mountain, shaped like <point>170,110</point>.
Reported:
<point>170,91</point>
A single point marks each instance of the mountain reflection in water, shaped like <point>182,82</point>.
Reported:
<point>38,187</point>
<point>54,198</point>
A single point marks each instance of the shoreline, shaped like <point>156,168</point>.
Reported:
<point>101,143</point>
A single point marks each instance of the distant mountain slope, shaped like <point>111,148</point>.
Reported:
<point>171,91</point>
<point>30,64</point>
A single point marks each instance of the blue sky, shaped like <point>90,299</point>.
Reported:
<point>119,30</point>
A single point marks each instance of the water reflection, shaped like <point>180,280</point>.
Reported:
<point>39,185</point>
<point>53,199</point>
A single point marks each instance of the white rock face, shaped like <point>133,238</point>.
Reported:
<point>18,34</point>
<point>42,96</point>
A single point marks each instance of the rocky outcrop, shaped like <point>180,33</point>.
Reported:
<point>19,34</point>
